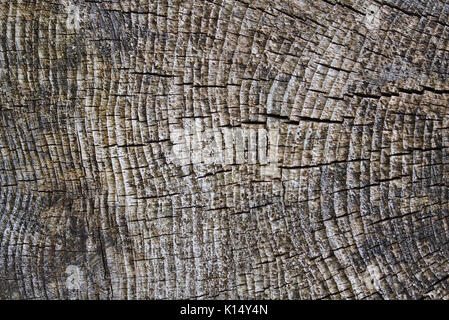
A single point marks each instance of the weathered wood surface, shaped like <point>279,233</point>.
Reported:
<point>94,203</point>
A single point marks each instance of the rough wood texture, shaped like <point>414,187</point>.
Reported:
<point>350,202</point>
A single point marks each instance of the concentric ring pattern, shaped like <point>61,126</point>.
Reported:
<point>352,204</point>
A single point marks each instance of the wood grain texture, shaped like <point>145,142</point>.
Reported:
<point>353,205</point>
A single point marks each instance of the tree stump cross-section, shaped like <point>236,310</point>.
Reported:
<point>224,149</point>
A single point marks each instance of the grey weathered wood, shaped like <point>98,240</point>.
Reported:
<point>94,203</point>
